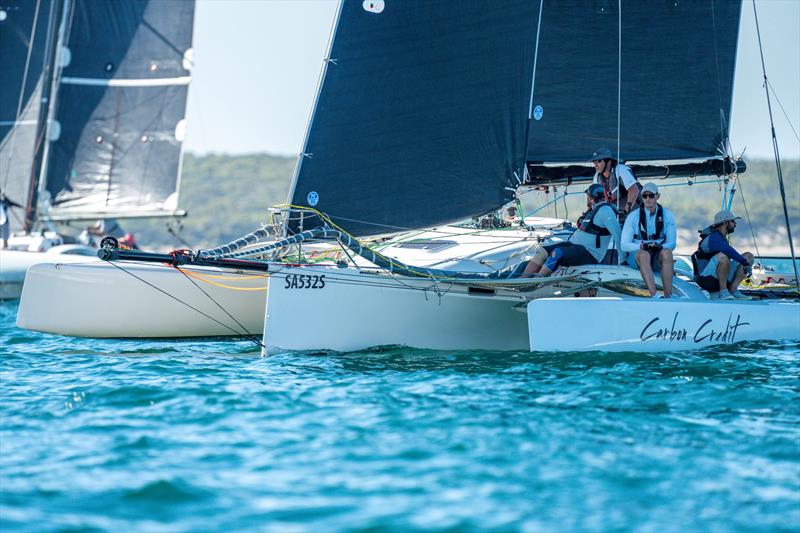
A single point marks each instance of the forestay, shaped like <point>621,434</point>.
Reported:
<point>119,117</point>
<point>420,117</point>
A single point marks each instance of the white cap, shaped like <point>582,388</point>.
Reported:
<point>724,216</point>
<point>650,187</point>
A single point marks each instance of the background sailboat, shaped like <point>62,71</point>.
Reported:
<point>97,125</point>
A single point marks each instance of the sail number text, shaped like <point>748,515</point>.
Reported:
<point>302,281</point>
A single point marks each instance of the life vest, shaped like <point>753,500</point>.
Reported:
<point>702,256</point>
<point>615,189</point>
<point>586,223</point>
<point>659,234</point>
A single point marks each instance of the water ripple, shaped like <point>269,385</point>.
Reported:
<point>206,435</point>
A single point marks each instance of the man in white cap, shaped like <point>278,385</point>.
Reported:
<point>620,185</point>
<point>714,261</point>
<point>649,237</point>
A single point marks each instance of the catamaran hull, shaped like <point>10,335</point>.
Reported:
<point>642,325</point>
<point>337,309</point>
<point>143,301</point>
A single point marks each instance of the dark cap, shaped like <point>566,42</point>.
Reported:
<point>602,153</point>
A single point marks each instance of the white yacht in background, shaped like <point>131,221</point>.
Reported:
<point>92,106</point>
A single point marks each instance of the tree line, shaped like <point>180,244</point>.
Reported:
<point>227,196</point>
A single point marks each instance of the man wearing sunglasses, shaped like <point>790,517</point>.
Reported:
<point>649,237</point>
<point>619,184</point>
<point>714,260</point>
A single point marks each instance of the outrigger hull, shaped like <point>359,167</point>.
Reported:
<point>643,325</point>
<point>141,301</point>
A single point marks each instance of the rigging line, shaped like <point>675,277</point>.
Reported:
<point>190,306</point>
<point>777,153</point>
<point>163,39</point>
<point>244,329</point>
<point>526,138</point>
<point>722,135</point>
<point>619,83</point>
<point>535,59</point>
<point>782,109</point>
<point>24,83</point>
<point>747,214</point>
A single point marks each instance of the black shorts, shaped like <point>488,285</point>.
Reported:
<point>709,283</point>
<point>574,254</point>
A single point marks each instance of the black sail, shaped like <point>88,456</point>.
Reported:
<point>420,119</point>
<point>119,113</point>
<point>675,60</point>
<point>26,45</point>
<point>427,108</point>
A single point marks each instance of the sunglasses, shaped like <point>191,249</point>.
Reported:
<point>648,195</point>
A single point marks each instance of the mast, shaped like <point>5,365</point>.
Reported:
<point>42,126</point>
<point>55,75</point>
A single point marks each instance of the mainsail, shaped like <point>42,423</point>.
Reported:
<point>117,125</point>
<point>428,110</point>
<point>650,78</point>
<point>26,50</point>
<point>420,118</point>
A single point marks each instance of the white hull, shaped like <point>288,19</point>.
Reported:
<point>346,312</point>
<point>15,263</point>
<point>101,300</point>
<point>322,308</point>
<point>643,325</point>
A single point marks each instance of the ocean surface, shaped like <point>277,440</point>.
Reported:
<point>208,436</point>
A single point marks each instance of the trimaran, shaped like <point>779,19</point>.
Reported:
<point>430,112</point>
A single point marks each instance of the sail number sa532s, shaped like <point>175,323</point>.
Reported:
<point>303,281</point>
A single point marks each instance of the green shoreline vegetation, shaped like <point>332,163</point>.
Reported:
<point>227,196</point>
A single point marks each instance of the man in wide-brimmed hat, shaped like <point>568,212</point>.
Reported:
<point>713,260</point>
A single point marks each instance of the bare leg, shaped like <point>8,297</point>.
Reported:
<point>532,268</point>
<point>723,267</point>
<point>545,271</point>
<point>667,271</point>
<point>646,270</point>
<point>535,264</point>
<point>740,272</point>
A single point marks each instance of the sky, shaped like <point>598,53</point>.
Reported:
<point>257,64</point>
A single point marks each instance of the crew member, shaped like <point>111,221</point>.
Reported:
<point>587,245</point>
<point>5,226</point>
<point>619,183</point>
<point>715,261</point>
<point>649,237</point>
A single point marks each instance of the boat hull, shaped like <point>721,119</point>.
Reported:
<point>142,301</point>
<point>643,325</point>
<point>15,263</point>
<point>318,308</point>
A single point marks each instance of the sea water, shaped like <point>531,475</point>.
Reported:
<point>207,435</point>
